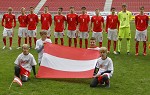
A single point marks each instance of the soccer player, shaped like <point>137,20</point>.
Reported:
<point>46,21</point>
<point>97,22</point>
<point>59,21</point>
<point>141,23</point>
<point>112,25</point>
<point>93,44</point>
<point>32,20</point>
<point>24,63</point>
<point>83,25</point>
<point>124,18</point>
<point>105,70</point>
<point>22,31</point>
<point>8,22</point>
<point>72,20</point>
<point>40,44</point>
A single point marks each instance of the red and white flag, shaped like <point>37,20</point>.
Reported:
<point>67,62</point>
<point>17,80</point>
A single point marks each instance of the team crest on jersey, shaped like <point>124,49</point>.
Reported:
<point>24,62</point>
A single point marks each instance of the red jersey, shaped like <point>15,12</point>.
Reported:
<point>8,20</point>
<point>141,22</point>
<point>72,20</point>
<point>97,23</point>
<point>59,23</point>
<point>22,20</point>
<point>32,20</point>
<point>46,21</point>
<point>112,22</point>
<point>83,20</point>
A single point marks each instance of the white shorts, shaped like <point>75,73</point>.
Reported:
<point>84,35</point>
<point>141,35</point>
<point>98,36</point>
<point>7,32</point>
<point>22,32</point>
<point>32,33</point>
<point>58,34</point>
<point>48,32</point>
<point>71,33</point>
<point>112,34</point>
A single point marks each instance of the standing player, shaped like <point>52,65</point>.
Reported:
<point>83,24</point>
<point>8,22</point>
<point>24,63</point>
<point>40,44</point>
<point>124,18</point>
<point>141,23</point>
<point>22,32</point>
<point>32,20</point>
<point>59,21</point>
<point>72,20</point>
<point>97,22</point>
<point>112,25</point>
<point>46,21</point>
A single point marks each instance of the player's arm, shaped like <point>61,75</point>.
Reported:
<point>41,19</point>
<point>89,24</point>
<point>34,71</point>
<point>3,19</point>
<point>107,22</point>
<point>103,25</point>
<point>14,22</point>
<point>135,21</point>
<point>110,67</point>
<point>50,20</point>
<point>65,23</point>
<point>33,63</point>
<point>37,20</point>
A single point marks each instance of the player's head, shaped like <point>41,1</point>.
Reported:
<point>83,10</point>
<point>31,10</point>
<point>25,49</point>
<point>22,10</point>
<point>113,10</point>
<point>103,52</point>
<point>92,42</point>
<point>10,10</point>
<point>60,9</point>
<point>142,9</point>
<point>43,34</point>
<point>72,9</point>
<point>97,11</point>
<point>124,7</point>
<point>46,9</point>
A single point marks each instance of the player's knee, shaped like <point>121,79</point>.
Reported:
<point>24,78</point>
<point>94,82</point>
<point>17,71</point>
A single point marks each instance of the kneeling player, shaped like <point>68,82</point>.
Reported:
<point>104,67</point>
<point>24,63</point>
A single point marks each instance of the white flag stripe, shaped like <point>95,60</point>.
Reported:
<point>63,64</point>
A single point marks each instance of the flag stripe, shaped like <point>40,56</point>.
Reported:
<point>51,73</point>
<point>67,64</point>
<point>16,79</point>
<point>70,52</point>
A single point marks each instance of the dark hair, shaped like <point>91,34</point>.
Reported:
<point>46,6</point>
<point>31,7</point>
<point>71,7</point>
<point>60,8</point>
<point>93,38</point>
<point>142,7</point>
<point>112,8</point>
<point>83,8</point>
<point>96,9</point>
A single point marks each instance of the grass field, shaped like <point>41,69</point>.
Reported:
<point>131,74</point>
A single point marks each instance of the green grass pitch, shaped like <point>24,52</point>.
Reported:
<point>131,74</point>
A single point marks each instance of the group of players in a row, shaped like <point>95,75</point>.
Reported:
<point>117,27</point>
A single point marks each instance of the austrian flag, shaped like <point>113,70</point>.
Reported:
<point>67,62</point>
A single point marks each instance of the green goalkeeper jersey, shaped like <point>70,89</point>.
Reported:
<point>124,18</point>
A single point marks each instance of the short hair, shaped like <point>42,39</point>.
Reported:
<point>31,7</point>
<point>103,49</point>
<point>25,45</point>
<point>112,8</point>
<point>124,5</point>
<point>43,32</point>
<point>83,8</point>
<point>142,8</point>
<point>96,9</point>
<point>92,38</point>
<point>71,7</point>
<point>10,8</point>
<point>60,8</point>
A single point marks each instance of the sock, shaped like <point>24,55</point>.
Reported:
<point>56,40</point>
<point>128,45</point>
<point>108,44</point>
<point>115,43</point>
<point>86,43</point>
<point>137,47</point>
<point>75,42</point>
<point>35,40</point>
<point>4,40</point>
<point>30,41</point>
<point>119,45</point>
<point>25,40</point>
<point>10,41</point>
<point>144,46</point>
<point>19,41</point>
<point>69,41</point>
<point>62,41</point>
<point>80,42</point>
<point>100,44</point>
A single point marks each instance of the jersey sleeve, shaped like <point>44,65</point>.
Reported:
<point>14,21</point>
<point>37,45</point>
<point>3,20</point>
<point>37,20</point>
<point>110,66</point>
<point>130,16</point>
<point>50,20</point>
<point>17,60</point>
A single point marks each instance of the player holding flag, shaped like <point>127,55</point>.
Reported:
<point>141,23</point>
